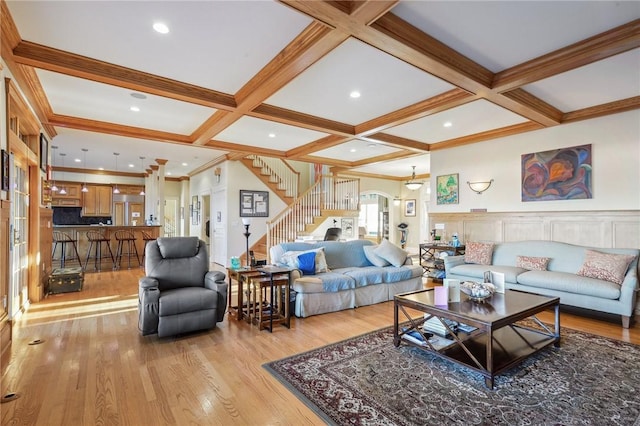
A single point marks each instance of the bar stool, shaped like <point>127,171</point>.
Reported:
<point>96,240</point>
<point>127,240</point>
<point>64,240</point>
<point>146,237</point>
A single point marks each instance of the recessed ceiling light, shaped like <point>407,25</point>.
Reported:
<point>184,164</point>
<point>168,173</point>
<point>352,150</point>
<point>77,160</point>
<point>272,135</point>
<point>447,124</point>
<point>138,95</point>
<point>100,168</point>
<point>134,108</point>
<point>355,94</point>
<point>131,165</point>
<point>161,27</point>
<point>372,145</point>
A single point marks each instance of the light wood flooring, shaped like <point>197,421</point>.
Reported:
<point>93,366</point>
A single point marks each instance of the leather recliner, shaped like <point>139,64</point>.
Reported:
<point>179,294</point>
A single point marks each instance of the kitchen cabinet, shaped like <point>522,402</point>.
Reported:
<point>97,201</point>
<point>71,199</point>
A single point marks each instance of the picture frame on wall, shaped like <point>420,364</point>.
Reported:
<point>254,203</point>
<point>44,153</point>
<point>410,208</point>
<point>4,178</point>
<point>347,224</point>
<point>447,189</point>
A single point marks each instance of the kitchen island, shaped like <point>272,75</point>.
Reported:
<point>79,234</point>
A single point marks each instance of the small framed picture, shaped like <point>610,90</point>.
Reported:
<point>44,153</point>
<point>410,207</point>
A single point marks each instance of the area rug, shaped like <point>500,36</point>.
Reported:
<point>366,380</point>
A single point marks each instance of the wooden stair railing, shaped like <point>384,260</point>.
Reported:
<point>338,196</point>
<point>276,173</point>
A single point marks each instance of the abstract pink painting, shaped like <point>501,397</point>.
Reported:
<point>559,174</point>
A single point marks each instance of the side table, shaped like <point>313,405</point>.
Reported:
<point>278,311</point>
<point>430,257</point>
<point>241,276</point>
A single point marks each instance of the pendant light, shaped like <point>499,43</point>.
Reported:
<point>115,189</point>
<point>63,191</point>
<point>54,188</point>
<point>142,165</point>
<point>84,185</point>
<point>412,184</point>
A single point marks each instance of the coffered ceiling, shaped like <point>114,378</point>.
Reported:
<point>276,78</point>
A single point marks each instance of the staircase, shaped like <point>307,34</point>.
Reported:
<point>277,174</point>
<point>329,196</point>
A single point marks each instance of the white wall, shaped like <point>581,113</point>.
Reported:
<point>234,177</point>
<point>615,141</point>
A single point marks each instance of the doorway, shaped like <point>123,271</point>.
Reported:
<point>19,240</point>
<point>374,216</point>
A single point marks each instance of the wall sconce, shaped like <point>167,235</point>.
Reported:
<point>396,201</point>
<point>480,187</point>
<point>217,172</point>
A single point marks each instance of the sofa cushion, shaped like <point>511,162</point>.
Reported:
<point>605,266</point>
<point>331,282</point>
<point>532,263</point>
<point>367,275</point>
<point>374,258</point>
<point>477,271</point>
<point>570,283</point>
<point>394,274</point>
<point>478,253</point>
<point>391,253</point>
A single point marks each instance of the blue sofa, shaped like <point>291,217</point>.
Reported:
<point>352,281</point>
<point>560,279</point>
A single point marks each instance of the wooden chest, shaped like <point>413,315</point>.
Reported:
<point>64,280</point>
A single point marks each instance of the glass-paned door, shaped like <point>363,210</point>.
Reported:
<point>18,292</point>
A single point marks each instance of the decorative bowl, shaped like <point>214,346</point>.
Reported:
<point>477,292</point>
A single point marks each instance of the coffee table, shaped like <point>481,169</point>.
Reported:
<point>496,344</point>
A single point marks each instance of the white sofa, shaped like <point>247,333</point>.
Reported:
<point>352,281</point>
<point>560,279</point>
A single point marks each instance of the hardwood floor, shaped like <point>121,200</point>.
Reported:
<point>93,366</point>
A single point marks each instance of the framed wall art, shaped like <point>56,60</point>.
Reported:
<point>44,153</point>
<point>410,207</point>
<point>347,227</point>
<point>558,174</point>
<point>447,189</point>
<point>4,178</point>
<point>254,203</point>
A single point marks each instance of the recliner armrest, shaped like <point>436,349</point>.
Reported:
<point>215,280</point>
<point>148,305</point>
<point>147,282</point>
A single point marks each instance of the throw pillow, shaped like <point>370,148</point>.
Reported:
<point>391,253</point>
<point>374,258</point>
<point>605,266</point>
<point>480,253</point>
<point>290,259</point>
<point>532,263</point>
<point>307,263</point>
